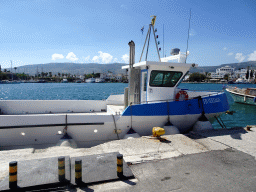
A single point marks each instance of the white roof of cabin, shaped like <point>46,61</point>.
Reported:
<point>148,63</point>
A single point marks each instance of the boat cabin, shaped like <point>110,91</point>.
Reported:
<point>152,81</point>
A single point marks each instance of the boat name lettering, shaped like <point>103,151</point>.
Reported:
<point>211,100</point>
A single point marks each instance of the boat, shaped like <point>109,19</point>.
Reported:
<point>153,99</point>
<point>241,81</point>
<point>90,80</point>
<point>99,80</point>
<point>64,81</point>
<point>10,82</point>
<point>245,95</point>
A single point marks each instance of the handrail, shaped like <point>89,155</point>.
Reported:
<point>168,100</point>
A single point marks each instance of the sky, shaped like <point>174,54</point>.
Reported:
<point>98,31</point>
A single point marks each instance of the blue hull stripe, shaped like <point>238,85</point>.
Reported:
<point>212,104</point>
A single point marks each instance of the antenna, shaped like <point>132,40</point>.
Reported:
<point>188,37</point>
<point>163,40</point>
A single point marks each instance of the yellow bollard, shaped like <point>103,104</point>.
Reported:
<point>13,175</point>
<point>78,172</point>
<point>158,131</point>
<point>61,169</point>
<point>120,166</point>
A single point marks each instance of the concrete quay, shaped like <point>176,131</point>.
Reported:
<point>217,160</point>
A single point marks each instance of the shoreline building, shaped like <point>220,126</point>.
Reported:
<point>233,74</point>
<point>221,72</point>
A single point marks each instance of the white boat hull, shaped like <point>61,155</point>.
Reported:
<point>97,128</point>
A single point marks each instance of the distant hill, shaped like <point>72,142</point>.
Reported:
<point>81,69</point>
<point>72,68</point>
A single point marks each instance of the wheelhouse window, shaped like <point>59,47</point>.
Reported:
<point>164,78</point>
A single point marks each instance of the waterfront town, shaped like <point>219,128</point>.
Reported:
<point>226,74</point>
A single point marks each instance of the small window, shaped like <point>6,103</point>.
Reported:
<point>164,78</point>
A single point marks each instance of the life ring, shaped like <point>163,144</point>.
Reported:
<point>181,95</point>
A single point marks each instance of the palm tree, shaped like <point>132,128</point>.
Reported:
<point>15,69</point>
<point>251,74</point>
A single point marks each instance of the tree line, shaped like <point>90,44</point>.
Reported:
<point>48,76</point>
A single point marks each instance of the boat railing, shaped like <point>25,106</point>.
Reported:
<point>217,92</point>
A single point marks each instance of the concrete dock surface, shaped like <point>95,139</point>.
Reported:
<point>216,160</point>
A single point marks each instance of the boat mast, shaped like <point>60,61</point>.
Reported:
<point>145,43</point>
<point>163,40</point>
<point>188,37</point>
<point>151,25</point>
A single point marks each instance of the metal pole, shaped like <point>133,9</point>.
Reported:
<point>163,40</point>
<point>148,41</point>
<point>13,175</point>
<point>61,169</point>
<point>144,44</point>
<point>120,173</point>
<point>78,171</point>
<point>156,44</point>
<point>188,37</point>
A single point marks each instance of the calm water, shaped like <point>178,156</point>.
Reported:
<point>244,114</point>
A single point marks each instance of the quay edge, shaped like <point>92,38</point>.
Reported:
<point>209,160</point>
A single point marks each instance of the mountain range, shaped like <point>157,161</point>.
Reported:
<point>72,68</point>
<point>116,68</point>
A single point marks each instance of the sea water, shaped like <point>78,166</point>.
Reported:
<point>243,115</point>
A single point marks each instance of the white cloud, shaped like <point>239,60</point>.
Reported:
<point>57,56</point>
<point>125,58</point>
<point>71,56</point>
<point>96,59</point>
<point>224,48</point>
<point>240,57</point>
<point>103,58</point>
<point>252,56</point>
<point>229,54</point>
